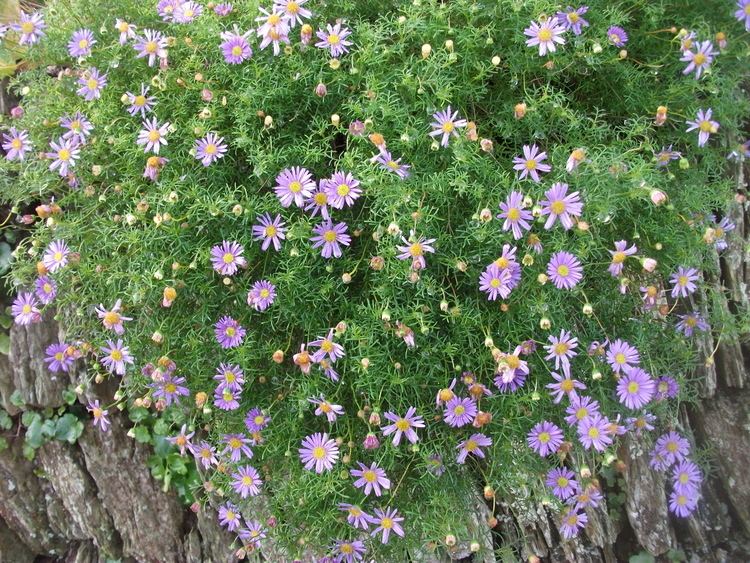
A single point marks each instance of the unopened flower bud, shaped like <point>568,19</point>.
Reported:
<point>200,399</point>
<point>157,337</point>
<point>519,111</point>
<point>661,116</point>
<point>365,363</point>
<point>495,60</point>
<point>485,215</point>
<point>489,492</point>
<point>335,119</point>
<point>335,64</point>
<point>268,121</point>
<point>377,263</point>
<point>426,50</point>
<point>657,197</point>
<point>588,310</point>
<point>321,90</point>
<point>545,323</point>
<point>649,264</point>
<point>542,278</point>
<point>486,145</point>
<point>450,540</point>
<point>278,356</point>
<point>371,441</point>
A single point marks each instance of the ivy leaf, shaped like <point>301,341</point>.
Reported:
<point>138,414</point>
<point>34,437</point>
<point>6,422</point>
<point>142,434</point>
<point>68,428</point>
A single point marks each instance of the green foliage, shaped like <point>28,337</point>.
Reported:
<point>135,237</point>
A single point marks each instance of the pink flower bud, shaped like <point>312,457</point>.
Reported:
<point>195,507</point>
<point>374,419</point>
<point>649,264</point>
<point>321,90</point>
<point>371,442</point>
<point>207,95</point>
<point>17,112</point>
<point>658,197</point>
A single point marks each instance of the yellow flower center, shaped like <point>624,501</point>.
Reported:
<point>83,43</point>
<point>355,511</point>
<point>561,348</point>
<point>247,481</point>
<point>392,164</point>
<point>318,453</point>
<point>139,101</point>
<point>446,394</point>
<point>265,293</point>
<point>682,280</point>
<point>228,258</point>
<point>92,84</point>
<point>111,318</point>
<point>259,420</point>
<point>151,47</point>
<point>26,309</point>
<point>651,291</point>
<point>593,432</point>
<point>705,126</point>
<point>545,35</point>
<point>230,331</point>
<point>386,523</point>
<point>459,410</point>
<point>633,387</point>
<point>514,214</point>
<point>295,187</point>
<point>471,445</point>
<point>563,270</point>
<point>572,520</point>
<point>402,424</point>
<point>614,38</point>
<point>57,256</point>
<point>170,388</point>
<point>153,161</point>
<point>325,407</point>
<point>448,127</point>
<point>557,207</point>
<point>369,476</point>
<point>59,356</point>
<point>582,413</point>
<point>502,263</point>
<point>47,288</point>
<point>235,443</point>
<point>671,447</point>
<point>620,358</point>
<point>683,478</point>
<point>544,437</point>
<point>229,376</point>
<point>270,231</point>
<point>333,39</point>
<point>116,355</point>
<point>236,50</point>
<point>512,361</point>
<point>16,144</point>
<point>346,548</point>
<point>530,164</point>
<point>699,59</point>
<point>562,482</point>
<point>123,27</point>
<point>321,198</point>
<point>573,17</point>
<point>747,10</point>
<point>97,412</point>
<point>494,282</point>
<point>274,19</point>
<point>416,249</point>
<point>63,154</point>
<point>292,7</point>
<point>210,148</point>
<point>154,135</point>
<point>27,27</point>
<point>618,257</point>
<point>329,236</point>
<point>567,385</point>
<point>343,189</point>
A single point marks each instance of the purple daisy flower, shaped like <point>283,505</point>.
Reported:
<point>683,503</point>
<point>253,534</point>
<point>572,522</point>
<point>125,29</point>
<point>743,13</point>
<point>622,356</point>
<point>387,162</point>
<point>640,423</point>
<point>686,477</point>
<point>617,36</point>
<point>565,270</point>
<point>386,521</point>
<point>562,482</point>
<point>327,347</point>
<point>700,60</point>
<point>330,237</point>
<point>292,11</point>
<point>81,42</point>
<point>530,164</point>
<point>275,36</point>
<point>691,322</point>
<point>152,44</point>
<point>46,289</point>
<point>227,258</point>
<point>153,135</point>
<point>230,376</point>
<point>460,411</point>
<point>261,295</point>
<point>153,165</point>
<point>331,411</point>
<point>229,516</point>
<point>683,282</point>
<point>318,202</point>
<point>30,28</point>
<point>355,516</point>
<point>562,350</point>
<point>78,127</point>
<point>226,399</point>
<point>64,153</point>
<point>704,124</point>
<point>187,12</point>
<point>342,190</point>
<point>545,438</point>
<point>270,231</point>
<point>101,416</point>
<point>560,205</point>
<point>255,421</point>
<point>403,426</point>
<point>238,445</point>
<point>371,478</point>
<point>111,318</point>
<point>666,388</point>
<point>272,21</point>
<point>235,46</point>
<point>473,445</point>
<point>347,551</point>
<point>166,8</point>
<point>636,388</point>
<point>590,496</point>
<point>294,185</point>
<point>516,217</point>
<point>545,34</point>
<point>415,249</point>
<point>223,9</point>
<point>581,408</point>
<point>564,387</point>
<point>445,125</point>
<point>666,155</point>
<point>619,254</point>
<point>593,432</point>
<point>720,232</point>
<point>140,103</point>
<point>92,83</point>
<point>169,389</point>
<point>495,282</point>
<point>229,333</point>
<point>511,371</point>
<point>318,451</point>
<point>334,38</point>
<point>210,148</point>
<point>15,144</point>
<point>672,447</point>
<point>58,358</point>
<point>572,19</point>
<point>204,454</point>
<point>182,440</point>
<point>116,355</point>
<point>56,256</point>
<point>246,481</point>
